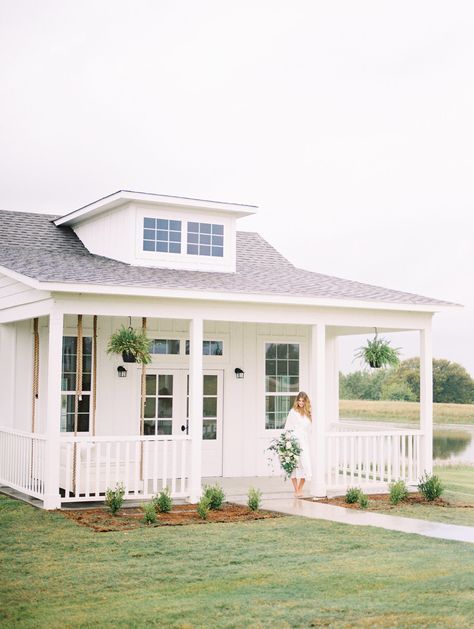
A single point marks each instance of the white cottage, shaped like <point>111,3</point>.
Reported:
<point>235,331</point>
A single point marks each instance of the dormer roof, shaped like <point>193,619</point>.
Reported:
<point>121,197</point>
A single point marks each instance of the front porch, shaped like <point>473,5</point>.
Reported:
<point>146,465</point>
<point>66,438</point>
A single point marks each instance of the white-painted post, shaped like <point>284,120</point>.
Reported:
<point>195,406</point>
<point>52,499</point>
<point>426,399</point>
<point>7,374</point>
<point>332,380</point>
<point>318,400</point>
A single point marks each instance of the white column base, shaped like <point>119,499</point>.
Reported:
<point>318,489</point>
<point>52,502</point>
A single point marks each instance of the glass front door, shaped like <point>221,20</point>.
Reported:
<point>167,411</point>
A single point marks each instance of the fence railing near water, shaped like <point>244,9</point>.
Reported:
<point>365,457</point>
<point>22,459</point>
<point>144,465</point>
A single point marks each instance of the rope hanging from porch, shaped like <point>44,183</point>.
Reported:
<point>78,395</point>
<point>142,402</point>
<point>94,371</point>
<point>35,372</point>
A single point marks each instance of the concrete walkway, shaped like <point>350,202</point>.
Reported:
<point>319,511</point>
<point>278,496</point>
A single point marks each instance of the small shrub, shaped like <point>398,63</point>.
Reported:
<point>163,501</point>
<point>254,499</point>
<point>363,500</point>
<point>216,496</point>
<point>114,497</point>
<point>203,507</point>
<point>398,492</point>
<point>352,495</point>
<point>430,486</point>
<point>149,513</point>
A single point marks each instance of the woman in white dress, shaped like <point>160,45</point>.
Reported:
<point>299,422</point>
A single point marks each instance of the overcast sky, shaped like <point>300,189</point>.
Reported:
<point>349,123</point>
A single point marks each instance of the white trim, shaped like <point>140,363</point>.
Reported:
<point>185,293</point>
<point>124,196</point>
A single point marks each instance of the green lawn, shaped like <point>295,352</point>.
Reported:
<point>406,412</point>
<point>459,492</point>
<point>281,573</point>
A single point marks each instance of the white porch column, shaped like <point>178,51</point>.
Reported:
<point>195,406</point>
<point>52,499</point>
<point>318,400</point>
<point>426,399</point>
<point>7,374</point>
<point>332,380</point>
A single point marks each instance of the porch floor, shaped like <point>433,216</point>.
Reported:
<point>235,489</point>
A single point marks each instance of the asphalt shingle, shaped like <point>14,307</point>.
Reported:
<point>32,245</point>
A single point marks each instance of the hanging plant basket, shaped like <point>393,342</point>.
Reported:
<point>377,353</point>
<point>128,357</point>
<point>133,345</point>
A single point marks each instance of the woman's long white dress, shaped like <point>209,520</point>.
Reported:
<point>301,427</point>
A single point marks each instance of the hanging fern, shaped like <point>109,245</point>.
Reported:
<point>378,353</point>
<point>128,340</point>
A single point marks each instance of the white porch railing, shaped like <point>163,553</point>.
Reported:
<point>367,457</point>
<point>145,466</point>
<point>22,458</point>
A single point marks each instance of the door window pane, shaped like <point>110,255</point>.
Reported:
<point>150,407</point>
<point>165,385</point>
<point>165,427</point>
<point>210,407</point>
<point>209,427</point>
<point>165,407</point>
<point>210,385</point>
<point>150,386</point>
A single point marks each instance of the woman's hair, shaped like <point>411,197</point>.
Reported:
<point>306,410</point>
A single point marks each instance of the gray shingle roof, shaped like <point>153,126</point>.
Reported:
<point>32,245</point>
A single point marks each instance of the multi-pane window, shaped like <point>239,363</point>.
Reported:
<point>158,417</point>
<point>161,235</point>
<point>164,346</point>
<point>205,239</point>
<point>209,406</point>
<point>69,384</point>
<point>282,368</point>
<point>209,348</point>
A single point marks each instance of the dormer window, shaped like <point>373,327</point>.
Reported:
<point>161,235</point>
<point>205,239</point>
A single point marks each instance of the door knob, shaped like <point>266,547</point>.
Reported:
<point>183,428</point>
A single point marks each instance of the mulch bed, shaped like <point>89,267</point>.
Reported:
<point>382,502</point>
<point>101,520</point>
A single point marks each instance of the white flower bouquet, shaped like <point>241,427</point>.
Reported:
<point>288,450</point>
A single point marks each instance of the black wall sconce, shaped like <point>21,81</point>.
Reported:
<point>239,373</point>
<point>122,372</point>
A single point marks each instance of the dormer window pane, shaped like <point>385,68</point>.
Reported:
<point>205,239</point>
<point>161,235</point>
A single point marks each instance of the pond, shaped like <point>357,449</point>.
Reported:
<point>453,445</point>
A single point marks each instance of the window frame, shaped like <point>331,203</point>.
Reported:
<point>262,339</point>
<point>71,393</point>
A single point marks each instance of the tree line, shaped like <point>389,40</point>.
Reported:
<point>451,383</point>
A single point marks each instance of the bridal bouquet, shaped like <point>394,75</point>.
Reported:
<point>288,450</point>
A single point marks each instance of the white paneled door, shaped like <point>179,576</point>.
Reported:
<point>167,411</point>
